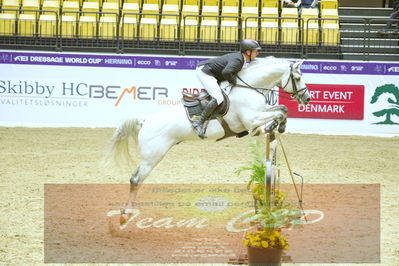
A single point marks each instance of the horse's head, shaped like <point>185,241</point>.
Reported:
<point>293,84</point>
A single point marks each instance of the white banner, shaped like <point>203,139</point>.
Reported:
<point>380,114</point>
<point>86,96</point>
<point>51,91</point>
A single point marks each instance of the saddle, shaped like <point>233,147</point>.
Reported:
<point>195,103</point>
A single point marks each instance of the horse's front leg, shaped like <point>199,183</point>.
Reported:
<point>258,121</point>
<point>284,110</point>
<point>281,108</point>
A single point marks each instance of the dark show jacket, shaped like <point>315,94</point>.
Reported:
<point>224,67</point>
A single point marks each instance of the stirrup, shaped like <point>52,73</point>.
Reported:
<point>200,131</point>
<point>203,131</point>
<point>202,134</point>
<point>199,128</point>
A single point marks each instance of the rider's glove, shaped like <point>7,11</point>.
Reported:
<point>233,81</point>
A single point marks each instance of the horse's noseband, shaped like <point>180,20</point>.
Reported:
<point>295,92</point>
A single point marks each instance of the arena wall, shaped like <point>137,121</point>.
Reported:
<point>93,90</point>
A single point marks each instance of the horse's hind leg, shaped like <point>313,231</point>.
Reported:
<point>138,177</point>
<point>155,150</point>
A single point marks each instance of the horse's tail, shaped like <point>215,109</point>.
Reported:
<point>120,142</point>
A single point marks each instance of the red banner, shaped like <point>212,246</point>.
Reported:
<point>329,102</point>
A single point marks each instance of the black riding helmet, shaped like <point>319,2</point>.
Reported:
<point>249,44</point>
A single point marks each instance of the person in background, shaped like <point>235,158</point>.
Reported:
<point>309,3</point>
<point>301,4</point>
<point>292,3</point>
<point>394,15</point>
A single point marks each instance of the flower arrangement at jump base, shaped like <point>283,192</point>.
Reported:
<point>272,213</point>
<point>266,243</point>
<point>266,239</point>
<point>259,194</point>
<point>265,246</point>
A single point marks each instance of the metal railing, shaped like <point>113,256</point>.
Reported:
<point>210,34</point>
<point>321,37</point>
<point>149,31</point>
<point>195,34</point>
<point>26,30</point>
<point>383,40</point>
<point>91,33</point>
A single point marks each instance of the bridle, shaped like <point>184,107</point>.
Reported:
<point>295,94</point>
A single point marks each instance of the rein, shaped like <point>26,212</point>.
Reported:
<point>261,90</point>
<point>280,94</point>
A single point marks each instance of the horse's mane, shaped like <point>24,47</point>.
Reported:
<point>270,59</point>
<point>265,62</point>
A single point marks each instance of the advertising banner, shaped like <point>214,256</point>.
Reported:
<point>86,96</point>
<point>329,101</point>
<point>90,90</point>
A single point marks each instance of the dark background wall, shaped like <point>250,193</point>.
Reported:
<point>368,3</point>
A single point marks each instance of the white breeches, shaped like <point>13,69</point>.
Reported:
<point>210,85</point>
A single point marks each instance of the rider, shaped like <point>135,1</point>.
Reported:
<point>213,71</point>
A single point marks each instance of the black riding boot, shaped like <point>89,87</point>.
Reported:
<point>206,113</point>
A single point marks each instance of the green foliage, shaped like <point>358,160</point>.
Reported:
<point>277,217</point>
<point>280,213</point>
<point>257,167</point>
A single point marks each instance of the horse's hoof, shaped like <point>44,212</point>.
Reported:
<point>122,219</point>
<point>272,137</point>
<point>281,128</point>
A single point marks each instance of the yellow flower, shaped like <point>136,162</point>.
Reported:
<point>265,239</point>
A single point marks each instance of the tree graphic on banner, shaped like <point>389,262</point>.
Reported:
<point>394,108</point>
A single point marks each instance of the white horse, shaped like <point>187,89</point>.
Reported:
<point>157,133</point>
